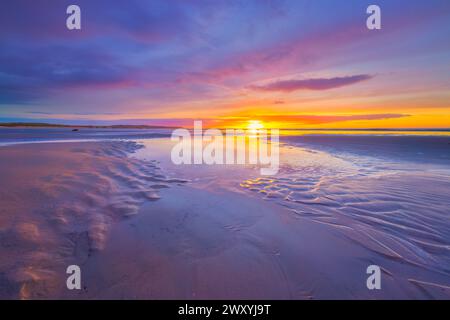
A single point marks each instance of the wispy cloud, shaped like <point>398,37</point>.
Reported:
<point>144,58</point>
<point>312,84</point>
<point>319,119</point>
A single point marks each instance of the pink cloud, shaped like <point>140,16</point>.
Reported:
<point>312,84</point>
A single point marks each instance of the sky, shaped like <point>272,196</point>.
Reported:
<point>288,64</point>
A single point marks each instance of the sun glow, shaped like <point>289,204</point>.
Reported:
<point>255,125</point>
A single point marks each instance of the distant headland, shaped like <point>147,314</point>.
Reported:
<point>53,125</point>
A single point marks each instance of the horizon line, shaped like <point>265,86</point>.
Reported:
<point>146,126</point>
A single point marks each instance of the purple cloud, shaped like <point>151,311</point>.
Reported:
<point>312,84</point>
<point>160,56</point>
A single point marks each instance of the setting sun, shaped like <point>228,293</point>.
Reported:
<point>255,125</point>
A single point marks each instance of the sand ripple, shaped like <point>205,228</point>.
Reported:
<point>401,215</point>
<point>64,198</point>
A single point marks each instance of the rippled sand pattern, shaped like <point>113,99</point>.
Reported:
<point>400,214</point>
<point>74,192</point>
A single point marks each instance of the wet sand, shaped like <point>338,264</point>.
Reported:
<point>141,229</point>
<point>58,201</point>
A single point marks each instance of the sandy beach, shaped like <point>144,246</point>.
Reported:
<point>140,227</point>
<point>58,202</point>
<point>225,150</point>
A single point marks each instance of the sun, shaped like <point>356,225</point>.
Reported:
<point>254,125</point>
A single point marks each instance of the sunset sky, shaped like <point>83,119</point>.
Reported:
<point>288,64</point>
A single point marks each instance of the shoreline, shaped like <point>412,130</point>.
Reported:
<point>141,230</point>
<point>58,203</point>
